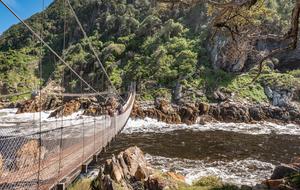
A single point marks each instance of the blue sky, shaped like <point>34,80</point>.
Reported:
<point>24,8</point>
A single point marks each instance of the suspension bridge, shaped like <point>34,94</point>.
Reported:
<point>42,153</point>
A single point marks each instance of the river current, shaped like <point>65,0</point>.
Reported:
<point>237,153</point>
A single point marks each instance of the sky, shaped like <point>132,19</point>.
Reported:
<point>23,8</point>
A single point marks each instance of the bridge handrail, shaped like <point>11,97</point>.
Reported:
<point>66,149</point>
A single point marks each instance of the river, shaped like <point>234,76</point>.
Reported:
<point>237,153</point>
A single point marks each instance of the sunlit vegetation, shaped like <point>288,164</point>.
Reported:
<point>158,46</point>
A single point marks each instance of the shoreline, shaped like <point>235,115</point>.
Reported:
<point>227,112</point>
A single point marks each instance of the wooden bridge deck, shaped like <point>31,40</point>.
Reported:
<point>66,150</point>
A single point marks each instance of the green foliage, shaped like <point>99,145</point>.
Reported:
<point>159,92</point>
<point>155,46</point>
<point>294,180</point>
<point>18,71</point>
<point>211,181</point>
<point>81,185</point>
<point>295,73</point>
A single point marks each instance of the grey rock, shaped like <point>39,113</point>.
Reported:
<point>284,170</point>
<point>260,187</point>
<point>269,92</point>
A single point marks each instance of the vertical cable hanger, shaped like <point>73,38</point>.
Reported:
<point>62,87</point>
<point>40,94</point>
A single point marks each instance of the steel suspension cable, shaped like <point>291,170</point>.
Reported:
<point>93,49</point>
<point>52,51</point>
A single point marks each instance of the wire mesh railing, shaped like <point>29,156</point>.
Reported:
<point>41,159</point>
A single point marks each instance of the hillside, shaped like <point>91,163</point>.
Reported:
<point>169,48</point>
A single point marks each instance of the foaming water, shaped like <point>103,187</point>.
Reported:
<point>240,172</point>
<point>148,125</point>
<point>237,153</point>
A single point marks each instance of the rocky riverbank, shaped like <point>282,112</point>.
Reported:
<point>237,111</point>
<point>227,111</point>
<point>129,170</point>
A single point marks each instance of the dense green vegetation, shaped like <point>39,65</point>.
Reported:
<point>160,46</point>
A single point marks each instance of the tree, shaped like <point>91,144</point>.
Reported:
<point>243,20</point>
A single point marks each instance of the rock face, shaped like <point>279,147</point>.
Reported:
<point>130,170</point>
<point>279,97</point>
<point>285,170</point>
<point>28,154</point>
<point>39,103</point>
<point>227,111</point>
<point>67,109</point>
<point>282,177</point>
<point>160,112</point>
<point>188,113</point>
<point>224,55</point>
<point>129,166</point>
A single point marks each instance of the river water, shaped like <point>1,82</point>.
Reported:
<point>237,153</point>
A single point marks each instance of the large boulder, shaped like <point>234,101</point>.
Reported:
<point>203,108</point>
<point>130,165</point>
<point>279,96</point>
<point>155,183</point>
<point>30,106</point>
<point>161,181</point>
<point>230,112</point>
<point>67,109</point>
<point>163,105</point>
<point>257,113</point>
<point>285,170</point>
<point>141,111</point>
<point>188,113</point>
<point>39,103</point>
<point>29,154</point>
<point>130,170</point>
<point>136,162</point>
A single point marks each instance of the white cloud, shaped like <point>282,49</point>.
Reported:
<point>11,3</point>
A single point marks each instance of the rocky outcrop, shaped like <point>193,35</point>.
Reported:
<point>285,170</point>
<point>160,112</point>
<point>109,107</point>
<point>125,170</point>
<point>224,54</point>
<point>130,170</point>
<point>128,165</point>
<point>289,60</point>
<point>188,113</point>
<point>227,111</point>
<point>39,103</point>
<point>67,109</point>
<point>29,154</point>
<point>285,176</point>
<point>279,96</point>
<point>230,112</point>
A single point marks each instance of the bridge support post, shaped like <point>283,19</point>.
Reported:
<point>95,158</point>
<point>61,186</point>
<point>84,168</point>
